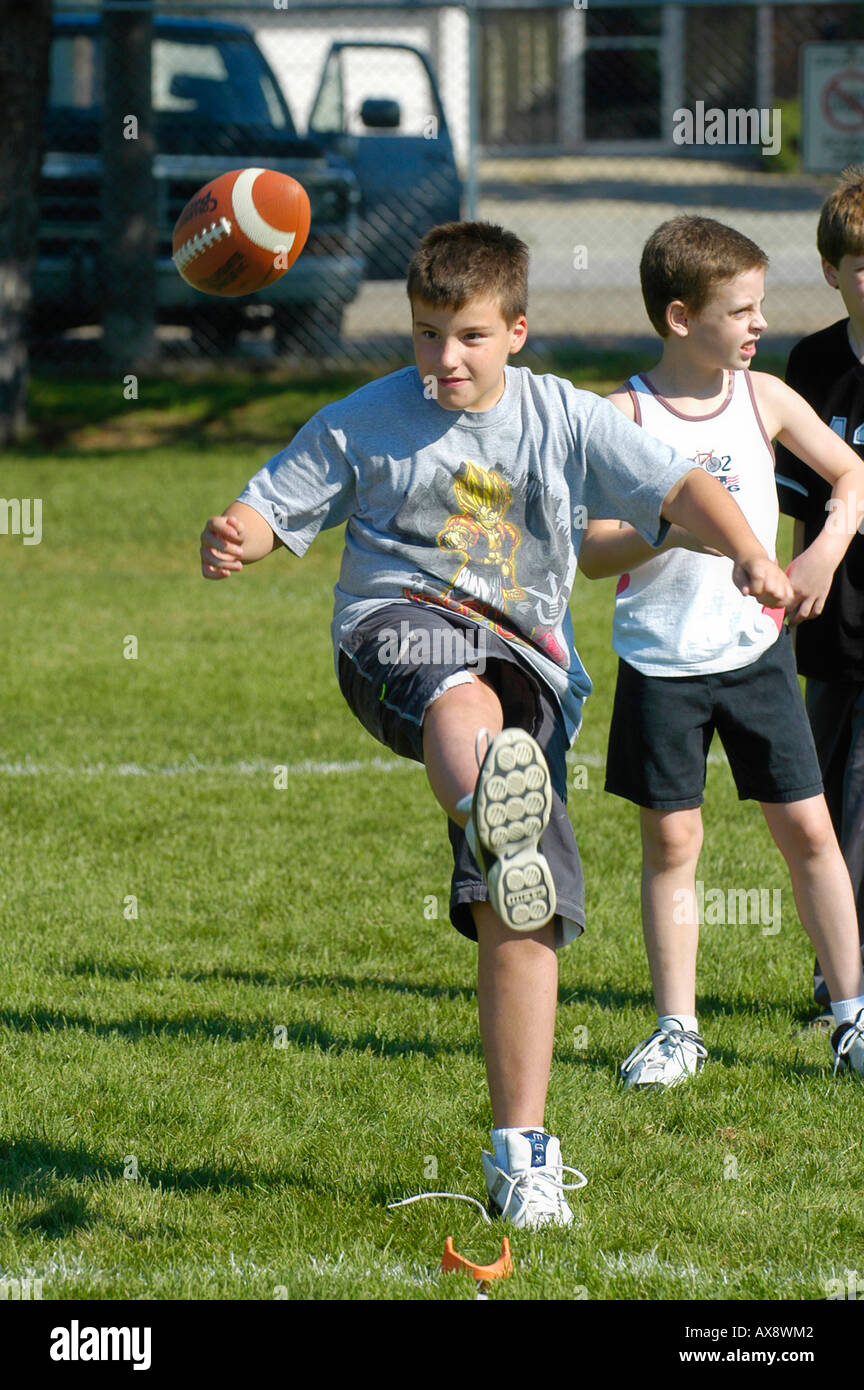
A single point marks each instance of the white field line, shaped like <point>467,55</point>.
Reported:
<point>192,767</point>
<point>71,1268</point>
<point>257,767</point>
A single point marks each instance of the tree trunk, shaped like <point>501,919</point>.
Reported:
<point>128,187</point>
<point>25,42</point>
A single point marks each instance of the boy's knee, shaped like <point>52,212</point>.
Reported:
<point>475,696</point>
<point>493,933</point>
<point>671,839</point>
<point>809,831</point>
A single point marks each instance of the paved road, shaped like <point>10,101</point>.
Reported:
<point>586,221</point>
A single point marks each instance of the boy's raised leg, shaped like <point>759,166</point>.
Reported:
<point>508,805</point>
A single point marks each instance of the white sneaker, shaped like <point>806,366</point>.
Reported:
<point>847,1044</point>
<point>530,1192</point>
<point>664,1059</point>
<point>510,810</point>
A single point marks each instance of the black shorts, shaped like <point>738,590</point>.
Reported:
<point>662,727</point>
<point>390,698</point>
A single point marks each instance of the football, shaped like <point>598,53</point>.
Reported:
<point>241,231</point>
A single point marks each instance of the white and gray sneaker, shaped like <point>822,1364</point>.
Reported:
<point>667,1058</point>
<point>510,809</point>
<point>530,1191</point>
<point>847,1044</point>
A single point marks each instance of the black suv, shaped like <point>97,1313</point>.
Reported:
<point>216,106</point>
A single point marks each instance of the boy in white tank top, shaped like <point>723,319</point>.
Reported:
<point>696,655</point>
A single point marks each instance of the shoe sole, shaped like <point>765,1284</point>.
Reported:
<point>511,809</point>
<point>659,1085</point>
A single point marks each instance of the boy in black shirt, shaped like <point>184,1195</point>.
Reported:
<point>828,370</point>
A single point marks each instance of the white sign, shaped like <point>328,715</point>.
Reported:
<point>832,106</point>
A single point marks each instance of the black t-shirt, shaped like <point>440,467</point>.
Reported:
<point>825,371</point>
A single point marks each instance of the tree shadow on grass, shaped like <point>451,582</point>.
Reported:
<point>304,1035</point>
<point>33,1167</point>
<point>65,1214</point>
<point>606,995</point>
<point>272,979</point>
<point>179,411</point>
<point>610,996</point>
<point>56,1021</point>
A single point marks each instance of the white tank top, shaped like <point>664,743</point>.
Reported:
<point>680,614</point>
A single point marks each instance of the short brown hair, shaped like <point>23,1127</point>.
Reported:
<point>459,261</point>
<point>686,257</point>
<point>841,221</point>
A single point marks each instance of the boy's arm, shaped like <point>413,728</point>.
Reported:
<point>790,419</point>
<point>615,547</point>
<point>625,466</point>
<point>238,537</point>
<point>702,505</point>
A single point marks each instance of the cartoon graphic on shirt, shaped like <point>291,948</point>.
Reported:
<point>487,542</point>
<point>485,586</point>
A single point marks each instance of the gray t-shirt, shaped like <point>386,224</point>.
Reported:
<point>480,512</point>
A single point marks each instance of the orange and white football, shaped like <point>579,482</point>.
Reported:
<point>241,231</point>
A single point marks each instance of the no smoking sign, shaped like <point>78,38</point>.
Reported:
<point>832,106</point>
<point>843,101</point>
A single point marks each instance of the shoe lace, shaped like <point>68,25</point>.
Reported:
<point>853,1033</point>
<point>542,1186</point>
<point>456,1196</point>
<point>675,1040</point>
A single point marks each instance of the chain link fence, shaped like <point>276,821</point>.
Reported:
<point>578,126</point>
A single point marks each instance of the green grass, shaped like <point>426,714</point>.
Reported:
<point>217,1097</point>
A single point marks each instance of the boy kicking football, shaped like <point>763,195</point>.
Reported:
<point>696,655</point>
<point>462,483</point>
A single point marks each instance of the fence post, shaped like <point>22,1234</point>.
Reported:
<point>129,215</point>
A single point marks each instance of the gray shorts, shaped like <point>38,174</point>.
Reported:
<point>389,684</point>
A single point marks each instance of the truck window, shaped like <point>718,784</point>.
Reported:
<point>224,82</point>
<point>353,74</point>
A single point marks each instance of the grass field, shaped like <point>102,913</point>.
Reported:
<point>231,1026</point>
